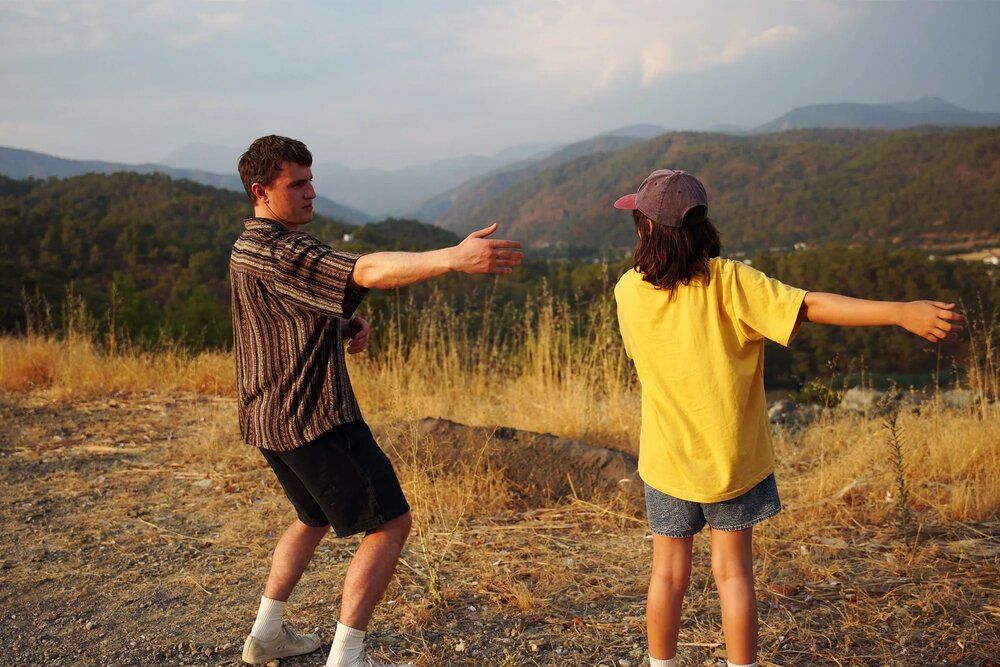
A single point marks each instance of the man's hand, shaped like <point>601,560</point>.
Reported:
<point>933,320</point>
<point>478,254</point>
<point>357,331</point>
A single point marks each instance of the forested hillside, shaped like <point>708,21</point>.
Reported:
<point>927,188</point>
<point>150,250</point>
<point>453,208</point>
<point>883,274</point>
<point>150,256</point>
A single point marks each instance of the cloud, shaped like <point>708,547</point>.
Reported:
<point>221,21</point>
<point>584,47</point>
<point>661,58</point>
<point>46,28</point>
<point>205,26</point>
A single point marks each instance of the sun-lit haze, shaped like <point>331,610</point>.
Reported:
<point>384,85</point>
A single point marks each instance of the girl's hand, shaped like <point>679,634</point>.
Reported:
<point>359,331</point>
<point>933,320</point>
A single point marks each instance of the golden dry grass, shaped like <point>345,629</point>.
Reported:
<point>105,496</point>
<point>506,582</point>
<point>559,375</point>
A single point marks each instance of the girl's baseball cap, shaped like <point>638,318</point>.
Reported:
<point>666,196</point>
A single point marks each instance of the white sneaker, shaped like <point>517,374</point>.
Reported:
<point>289,642</point>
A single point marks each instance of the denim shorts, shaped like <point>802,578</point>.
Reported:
<point>673,517</point>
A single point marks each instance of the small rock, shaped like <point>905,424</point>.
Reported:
<point>624,663</point>
<point>959,399</point>
<point>459,647</point>
<point>869,401</point>
<point>203,483</point>
<point>835,542</point>
<point>89,625</point>
<point>779,409</point>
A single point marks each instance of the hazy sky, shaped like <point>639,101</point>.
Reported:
<point>388,84</point>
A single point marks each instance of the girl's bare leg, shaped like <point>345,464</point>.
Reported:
<point>668,582</point>
<point>732,567</point>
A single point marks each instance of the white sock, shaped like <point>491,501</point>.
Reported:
<point>669,662</point>
<point>348,647</point>
<point>733,664</point>
<point>268,623</point>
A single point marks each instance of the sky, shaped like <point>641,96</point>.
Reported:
<point>390,84</point>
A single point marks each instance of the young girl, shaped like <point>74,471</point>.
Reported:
<point>694,325</point>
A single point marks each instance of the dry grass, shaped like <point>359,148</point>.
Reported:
<point>114,444</point>
<point>558,374</point>
<point>77,367</point>
<point>147,516</point>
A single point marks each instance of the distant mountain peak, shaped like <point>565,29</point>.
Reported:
<point>636,131</point>
<point>926,111</point>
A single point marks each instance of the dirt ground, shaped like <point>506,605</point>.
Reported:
<point>138,532</point>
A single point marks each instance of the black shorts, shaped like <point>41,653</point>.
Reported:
<point>341,479</point>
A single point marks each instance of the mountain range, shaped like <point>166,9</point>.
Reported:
<point>406,190</point>
<point>927,111</point>
<point>448,192</point>
<point>927,188</point>
<point>19,163</point>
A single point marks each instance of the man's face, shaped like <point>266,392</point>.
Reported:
<point>289,198</point>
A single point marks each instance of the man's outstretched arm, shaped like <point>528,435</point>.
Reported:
<point>476,254</point>
<point>932,320</point>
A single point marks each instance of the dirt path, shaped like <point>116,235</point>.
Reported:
<point>137,532</point>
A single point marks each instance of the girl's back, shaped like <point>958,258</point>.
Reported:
<point>698,351</point>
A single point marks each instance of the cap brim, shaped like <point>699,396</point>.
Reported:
<point>626,203</point>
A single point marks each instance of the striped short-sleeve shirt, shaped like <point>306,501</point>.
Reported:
<point>290,294</point>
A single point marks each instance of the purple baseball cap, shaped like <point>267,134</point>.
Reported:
<point>666,196</point>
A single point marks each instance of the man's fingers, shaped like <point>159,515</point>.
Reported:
<point>948,326</point>
<point>504,243</point>
<point>942,304</point>
<point>952,315</point>
<point>485,231</point>
<point>508,254</point>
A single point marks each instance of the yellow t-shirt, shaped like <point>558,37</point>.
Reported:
<point>700,359</point>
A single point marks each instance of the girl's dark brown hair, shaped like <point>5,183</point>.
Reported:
<point>672,256</point>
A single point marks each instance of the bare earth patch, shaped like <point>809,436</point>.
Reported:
<point>138,531</point>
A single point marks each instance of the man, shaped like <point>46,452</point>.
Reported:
<point>293,308</point>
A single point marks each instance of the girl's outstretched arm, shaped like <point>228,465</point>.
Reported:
<point>933,320</point>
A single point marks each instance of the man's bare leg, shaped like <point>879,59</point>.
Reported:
<point>269,638</point>
<point>292,554</point>
<point>366,581</point>
<point>371,569</point>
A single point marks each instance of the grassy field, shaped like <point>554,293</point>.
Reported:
<point>143,525</point>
